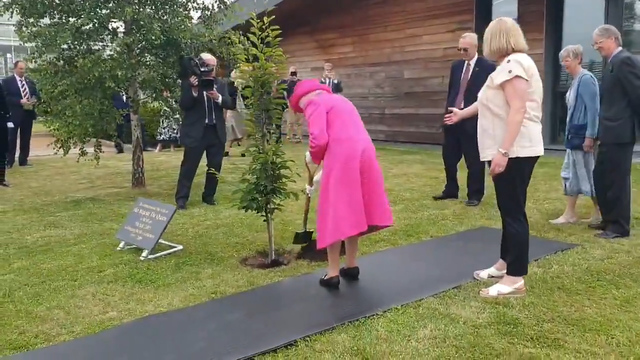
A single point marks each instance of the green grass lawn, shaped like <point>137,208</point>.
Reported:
<point>62,278</point>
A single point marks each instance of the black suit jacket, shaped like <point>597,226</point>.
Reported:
<point>479,74</point>
<point>4,119</point>
<point>619,100</point>
<point>13,96</point>
<point>336,86</point>
<point>195,115</point>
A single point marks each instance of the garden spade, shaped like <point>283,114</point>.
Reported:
<point>305,236</point>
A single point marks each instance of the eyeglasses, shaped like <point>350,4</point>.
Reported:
<point>464,50</point>
<point>597,43</point>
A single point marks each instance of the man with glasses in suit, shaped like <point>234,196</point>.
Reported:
<point>466,78</point>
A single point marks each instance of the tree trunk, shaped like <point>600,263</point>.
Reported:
<point>138,179</point>
<point>272,240</point>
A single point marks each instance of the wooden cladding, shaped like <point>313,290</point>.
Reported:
<point>531,19</point>
<point>393,58</point>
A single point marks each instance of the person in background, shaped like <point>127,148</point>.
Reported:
<point>329,79</point>
<point>352,201</point>
<point>21,96</point>
<point>293,118</point>
<point>617,126</point>
<point>466,78</point>
<point>169,128</point>
<point>121,103</point>
<point>509,110</point>
<point>234,118</point>
<point>5,126</point>
<point>583,106</point>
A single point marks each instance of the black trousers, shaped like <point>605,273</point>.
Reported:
<point>22,129</point>
<point>461,140</point>
<point>213,146</point>
<point>511,195</point>
<point>612,180</point>
<point>3,163</point>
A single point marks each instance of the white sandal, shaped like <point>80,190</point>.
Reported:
<point>501,290</point>
<point>489,274</point>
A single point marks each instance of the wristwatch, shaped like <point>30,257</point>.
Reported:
<point>504,153</point>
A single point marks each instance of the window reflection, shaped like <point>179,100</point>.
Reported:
<point>581,18</point>
<point>631,26</point>
<point>504,8</point>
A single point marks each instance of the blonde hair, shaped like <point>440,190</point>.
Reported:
<point>573,52</point>
<point>502,38</point>
<point>470,36</point>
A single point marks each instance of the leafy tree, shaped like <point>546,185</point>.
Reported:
<point>86,50</point>
<point>264,184</point>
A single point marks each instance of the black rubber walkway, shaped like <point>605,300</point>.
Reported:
<point>267,318</point>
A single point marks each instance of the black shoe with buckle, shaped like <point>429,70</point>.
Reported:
<point>330,282</point>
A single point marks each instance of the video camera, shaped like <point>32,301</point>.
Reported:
<point>196,66</point>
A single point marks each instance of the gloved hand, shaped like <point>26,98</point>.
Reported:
<point>309,190</point>
<point>308,159</point>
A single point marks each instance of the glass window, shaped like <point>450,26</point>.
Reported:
<point>581,18</point>
<point>505,8</point>
<point>631,26</point>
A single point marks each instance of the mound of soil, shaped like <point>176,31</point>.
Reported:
<point>260,260</point>
<point>310,252</point>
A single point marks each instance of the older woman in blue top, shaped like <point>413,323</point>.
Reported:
<point>583,106</point>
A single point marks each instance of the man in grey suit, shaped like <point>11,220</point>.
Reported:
<point>619,114</point>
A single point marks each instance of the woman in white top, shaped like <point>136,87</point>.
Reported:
<point>509,109</point>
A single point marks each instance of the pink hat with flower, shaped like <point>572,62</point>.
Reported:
<point>303,88</point>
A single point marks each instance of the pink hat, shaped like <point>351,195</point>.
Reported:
<point>303,88</point>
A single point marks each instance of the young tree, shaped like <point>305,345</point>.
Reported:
<point>264,184</point>
<point>85,51</point>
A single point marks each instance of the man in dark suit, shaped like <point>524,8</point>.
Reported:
<point>466,78</point>
<point>203,130</point>
<point>329,79</point>
<point>121,103</point>
<point>5,124</point>
<point>619,113</point>
<point>22,95</point>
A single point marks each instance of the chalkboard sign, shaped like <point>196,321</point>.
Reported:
<point>146,223</point>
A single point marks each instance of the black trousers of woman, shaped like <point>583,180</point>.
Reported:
<point>511,195</point>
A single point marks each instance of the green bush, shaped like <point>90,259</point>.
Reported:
<point>151,113</point>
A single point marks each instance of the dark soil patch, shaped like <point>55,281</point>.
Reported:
<point>310,252</point>
<point>260,260</point>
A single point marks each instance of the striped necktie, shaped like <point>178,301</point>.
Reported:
<point>24,89</point>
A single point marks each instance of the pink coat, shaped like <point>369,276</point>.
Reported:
<point>352,200</point>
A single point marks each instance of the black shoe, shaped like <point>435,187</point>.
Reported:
<point>181,206</point>
<point>209,201</point>
<point>608,235</point>
<point>444,196</point>
<point>597,226</point>
<point>4,184</point>
<point>25,165</point>
<point>226,153</point>
<point>472,202</point>
<point>350,273</point>
<point>243,155</point>
<point>9,166</point>
<point>330,282</point>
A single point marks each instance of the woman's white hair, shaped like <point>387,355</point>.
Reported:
<point>573,52</point>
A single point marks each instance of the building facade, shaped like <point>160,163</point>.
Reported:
<point>394,56</point>
<point>11,49</point>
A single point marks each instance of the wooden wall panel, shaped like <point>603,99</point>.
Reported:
<point>392,56</point>
<point>531,16</point>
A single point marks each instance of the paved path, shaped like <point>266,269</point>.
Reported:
<point>42,145</point>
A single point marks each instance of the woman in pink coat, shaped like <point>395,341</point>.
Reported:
<point>352,200</point>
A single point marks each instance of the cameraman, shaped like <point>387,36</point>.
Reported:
<point>203,130</point>
<point>293,119</point>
